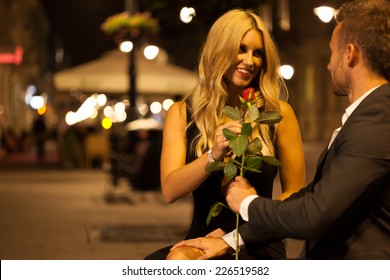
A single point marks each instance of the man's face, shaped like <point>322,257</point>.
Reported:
<point>337,67</point>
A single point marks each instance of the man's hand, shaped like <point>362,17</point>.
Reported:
<point>213,247</point>
<point>238,190</point>
<point>216,233</point>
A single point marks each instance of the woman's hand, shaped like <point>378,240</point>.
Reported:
<point>211,246</point>
<point>221,144</point>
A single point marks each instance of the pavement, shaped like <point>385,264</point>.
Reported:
<point>53,213</point>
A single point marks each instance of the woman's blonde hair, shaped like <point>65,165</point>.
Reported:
<point>219,54</point>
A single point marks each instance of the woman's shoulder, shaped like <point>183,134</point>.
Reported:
<point>178,107</point>
<point>285,108</point>
<point>177,111</point>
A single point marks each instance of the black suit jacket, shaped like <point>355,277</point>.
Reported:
<point>345,212</point>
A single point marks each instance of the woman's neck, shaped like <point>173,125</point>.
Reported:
<point>234,93</point>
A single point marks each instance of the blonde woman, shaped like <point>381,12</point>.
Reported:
<point>238,53</point>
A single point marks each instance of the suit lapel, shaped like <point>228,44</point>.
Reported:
<point>384,89</point>
<point>320,164</point>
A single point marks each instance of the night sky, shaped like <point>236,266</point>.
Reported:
<point>75,26</point>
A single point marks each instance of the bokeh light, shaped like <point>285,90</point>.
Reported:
<point>106,123</point>
<point>150,52</point>
<point>126,46</point>
<point>286,71</point>
<point>37,102</point>
<point>155,107</point>
<point>324,13</point>
<point>167,103</point>
<point>186,14</point>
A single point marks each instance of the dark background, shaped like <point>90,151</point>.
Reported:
<point>75,27</point>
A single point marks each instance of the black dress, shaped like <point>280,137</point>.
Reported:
<point>210,191</point>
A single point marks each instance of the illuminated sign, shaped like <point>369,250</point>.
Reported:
<point>12,58</point>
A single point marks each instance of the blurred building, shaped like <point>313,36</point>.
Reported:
<point>23,61</point>
<point>303,41</point>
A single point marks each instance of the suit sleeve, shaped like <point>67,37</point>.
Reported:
<point>357,168</point>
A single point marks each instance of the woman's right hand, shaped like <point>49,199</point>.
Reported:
<point>221,144</point>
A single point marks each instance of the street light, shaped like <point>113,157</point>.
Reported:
<point>186,14</point>
<point>132,8</point>
<point>324,13</point>
<point>287,71</point>
<point>128,29</point>
<point>150,52</point>
<point>126,46</point>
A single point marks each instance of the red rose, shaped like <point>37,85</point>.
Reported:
<point>248,94</point>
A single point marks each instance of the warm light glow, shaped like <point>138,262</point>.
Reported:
<point>143,108</point>
<point>106,123</point>
<point>186,14</point>
<point>150,52</point>
<point>37,102</point>
<point>126,46</point>
<point>59,55</point>
<point>94,114</point>
<point>114,118</point>
<point>155,107</point>
<point>121,116</point>
<point>71,118</point>
<point>108,111</point>
<point>324,13</point>
<point>30,91</point>
<point>42,110</point>
<point>286,71</point>
<point>86,110</point>
<point>167,103</point>
<point>101,99</point>
<point>119,107</point>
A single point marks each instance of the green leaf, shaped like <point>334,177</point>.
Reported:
<point>230,169</point>
<point>230,112</point>
<point>271,160</point>
<point>239,145</point>
<point>215,209</point>
<point>255,146</point>
<point>253,162</point>
<point>269,117</point>
<point>214,166</point>
<point>229,134</point>
<point>246,129</point>
<point>253,170</point>
<point>253,113</point>
<point>242,100</point>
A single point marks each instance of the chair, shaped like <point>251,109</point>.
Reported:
<point>97,147</point>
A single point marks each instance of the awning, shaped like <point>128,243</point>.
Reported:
<point>109,74</point>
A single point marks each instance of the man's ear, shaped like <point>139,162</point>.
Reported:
<point>352,55</point>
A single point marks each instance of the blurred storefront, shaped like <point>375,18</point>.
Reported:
<point>23,67</point>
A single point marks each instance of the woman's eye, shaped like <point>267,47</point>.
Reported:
<point>242,49</point>
<point>258,53</point>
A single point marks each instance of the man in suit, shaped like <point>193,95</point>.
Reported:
<point>344,213</point>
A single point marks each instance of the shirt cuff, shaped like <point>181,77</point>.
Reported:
<point>230,239</point>
<point>245,205</point>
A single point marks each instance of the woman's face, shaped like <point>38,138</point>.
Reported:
<point>249,60</point>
